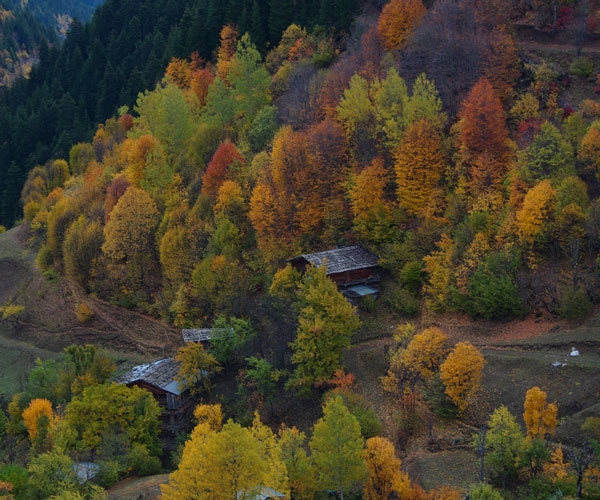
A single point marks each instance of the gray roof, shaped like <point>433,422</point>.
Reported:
<point>159,374</point>
<point>339,260</point>
<point>196,334</point>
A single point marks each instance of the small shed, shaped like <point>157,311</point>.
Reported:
<point>196,334</point>
<point>158,378</point>
<point>353,269</point>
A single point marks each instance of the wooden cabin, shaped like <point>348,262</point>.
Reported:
<point>353,269</point>
<point>158,378</point>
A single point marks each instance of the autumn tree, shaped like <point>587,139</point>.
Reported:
<point>397,20</point>
<point>128,239</point>
<point>196,367</point>
<point>229,39</point>
<point>540,416</point>
<point>461,373</point>
<point>300,469</point>
<point>420,163</point>
<point>326,322</point>
<point>336,447</point>
<point>534,216</point>
<point>226,157</point>
<point>483,138</point>
<point>228,462</point>
<point>110,419</point>
<point>384,475</point>
<point>37,409</point>
<point>373,213</point>
<point>421,359</point>
<point>81,249</point>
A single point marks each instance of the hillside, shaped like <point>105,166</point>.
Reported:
<point>48,323</point>
<point>450,190</point>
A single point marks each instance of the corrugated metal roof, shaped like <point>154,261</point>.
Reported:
<point>159,373</point>
<point>343,259</point>
<point>196,334</point>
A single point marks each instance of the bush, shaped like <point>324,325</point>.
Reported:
<point>11,311</point>
<point>108,473</point>
<point>141,462</point>
<point>44,258</point>
<point>493,296</point>
<point>574,303</point>
<point>582,66</point>
<point>402,301</point>
<point>83,312</point>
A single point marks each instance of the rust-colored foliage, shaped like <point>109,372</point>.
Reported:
<point>501,63</point>
<point>180,72</point>
<point>483,137</point>
<point>226,51</point>
<point>216,171</point>
<point>397,20</point>
<point>114,191</point>
<point>201,80</point>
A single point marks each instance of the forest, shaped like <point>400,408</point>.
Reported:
<point>422,132</point>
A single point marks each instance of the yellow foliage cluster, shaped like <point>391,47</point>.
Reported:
<point>31,415</point>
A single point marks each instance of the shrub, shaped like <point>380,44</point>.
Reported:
<point>44,258</point>
<point>582,66</point>
<point>11,311</point>
<point>493,296</point>
<point>141,462</point>
<point>83,312</point>
<point>574,303</point>
<point>402,301</point>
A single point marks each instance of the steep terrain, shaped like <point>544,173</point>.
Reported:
<point>48,322</point>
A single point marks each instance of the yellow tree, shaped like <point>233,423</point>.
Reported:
<point>420,163</point>
<point>196,366</point>
<point>423,354</point>
<point>301,473</point>
<point>384,476</point>
<point>222,464</point>
<point>397,20</point>
<point>31,415</point>
<point>440,273</point>
<point>540,416</point>
<point>534,215</point>
<point>372,212</point>
<point>461,373</point>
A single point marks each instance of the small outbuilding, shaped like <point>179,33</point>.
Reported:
<point>159,378</point>
<point>353,269</point>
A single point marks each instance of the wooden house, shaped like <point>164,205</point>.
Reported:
<point>353,269</point>
<point>158,377</point>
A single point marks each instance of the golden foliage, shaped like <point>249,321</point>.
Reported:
<point>420,163</point>
<point>534,215</point>
<point>83,312</point>
<point>461,373</point>
<point>31,415</point>
<point>540,416</point>
<point>383,471</point>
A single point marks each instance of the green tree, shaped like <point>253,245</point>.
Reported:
<point>109,419</point>
<point>549,156</point>
<point>504,443</point>
<point>326,323</point>
<point>336,446</point>
<point>300,470</point>
<point>50,474</point>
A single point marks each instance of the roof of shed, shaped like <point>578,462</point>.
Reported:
<point>159,374</point>
<point>196,334</point>
<point>340,260</point>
